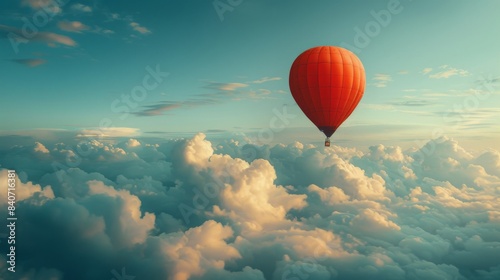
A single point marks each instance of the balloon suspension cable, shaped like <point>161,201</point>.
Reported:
<point>327,142</point>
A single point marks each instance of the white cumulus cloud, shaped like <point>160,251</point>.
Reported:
<point>196,209</point>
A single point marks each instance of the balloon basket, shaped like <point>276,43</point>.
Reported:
<point>327,142</point>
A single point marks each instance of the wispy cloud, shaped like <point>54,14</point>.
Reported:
<point>417,112</point>
<point>426,71</point>
<point>381,80</point>
<point>264,91</point>
<point>378,107</point>
<point>158,109</point>
<point>489,82</point>
<point>114,16</point>
<point>31,62</point>
<point>139,28</point>
<point>412,103</point>
<point>216,131</point>
<point>265,80</point>
<point>51,39</point>
<point>236,91</point>
<point>402,106</point>
<point>481,117</point>
<point>448,71</point>
<point>220,92</point>
<point>436,94</point>
<point>236,86</point>
<point>403,72</point>
<point>72,26</point>
<point>81,8</point>
<point>109,132</point>
<point>104,31</point>
<point>51,5</point>
<point>165,106</point>
<point>231,86</point>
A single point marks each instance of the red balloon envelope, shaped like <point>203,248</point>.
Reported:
<point>327,83</point>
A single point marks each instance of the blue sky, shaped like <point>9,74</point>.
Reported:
<point>228,69</point>
<point>159,140</point>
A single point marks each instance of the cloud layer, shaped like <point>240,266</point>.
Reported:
<point>220,92</point>
<point>192,209</point>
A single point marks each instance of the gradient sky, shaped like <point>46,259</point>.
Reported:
<point>229,70</point>
<point>195,182</point>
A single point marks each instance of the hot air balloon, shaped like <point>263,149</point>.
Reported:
<point>327,82</point>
